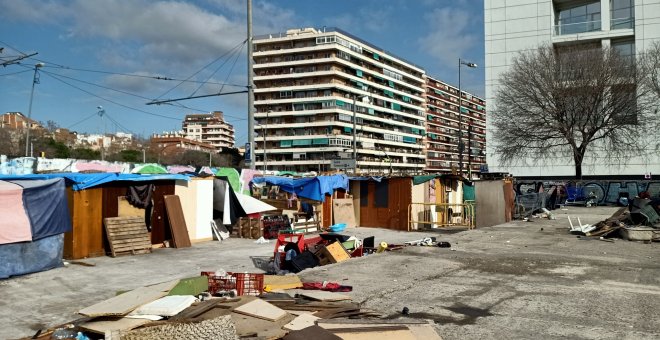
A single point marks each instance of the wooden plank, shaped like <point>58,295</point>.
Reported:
<point>86,238</point>
<point>124,303</point>
<point>342,210</point>
<point>180,237</point>
<point>320,295</point>
<point>111,325</point>
<point>278,282</point>
<point>301,322</point>
<point>262,310</point>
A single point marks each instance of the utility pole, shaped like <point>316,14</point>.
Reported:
<point>35,80</point>
<point>101,113</point>
<point>250,50</point>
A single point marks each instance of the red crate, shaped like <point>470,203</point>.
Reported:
<point>243,283</point>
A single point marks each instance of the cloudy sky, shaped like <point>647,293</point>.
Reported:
<point>120,54</point>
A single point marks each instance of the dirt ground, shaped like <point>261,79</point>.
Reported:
<point>518,280</point>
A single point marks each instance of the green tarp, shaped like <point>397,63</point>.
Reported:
<point>232,177</point>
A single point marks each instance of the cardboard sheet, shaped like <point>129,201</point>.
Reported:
<point>343,212</point>
<point>125,303</point>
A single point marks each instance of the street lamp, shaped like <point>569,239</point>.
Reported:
<point>101,112</point>
<point>35,80</point>
<point>460,115</point>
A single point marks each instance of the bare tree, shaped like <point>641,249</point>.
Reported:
<point>569,102</point>
<point>652,67</point>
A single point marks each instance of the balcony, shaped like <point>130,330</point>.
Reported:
<point>577,27</point>
<point>622,23</point>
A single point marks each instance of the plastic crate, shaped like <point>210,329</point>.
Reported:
<point>243,283</point>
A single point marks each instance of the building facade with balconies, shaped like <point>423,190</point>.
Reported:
<point>209,128</point>
<point>629,26</point>
<point>309,86</point>
<point>442,128</point>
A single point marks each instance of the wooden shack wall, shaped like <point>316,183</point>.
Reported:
<point>395,215</point>
<point>86,236</point>
<point>89,207</point>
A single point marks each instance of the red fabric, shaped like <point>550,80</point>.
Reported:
<point>14,224</point>
<point>327,286</point>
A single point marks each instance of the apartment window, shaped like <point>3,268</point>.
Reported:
<point>579,19</point>
<point>622,14</point>
<point>286,94</point>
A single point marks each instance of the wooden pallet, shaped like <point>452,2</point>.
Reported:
<point>127,235</point>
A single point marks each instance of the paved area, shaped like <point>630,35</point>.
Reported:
<point>518,280</point>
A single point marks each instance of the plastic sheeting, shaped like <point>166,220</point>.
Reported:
<point>14,221</point>
<point>83,181</point>
<point>30,257</point>
<point>314,188</point>
<point>46,205</point>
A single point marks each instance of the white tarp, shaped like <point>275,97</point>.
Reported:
<point>252,205</point>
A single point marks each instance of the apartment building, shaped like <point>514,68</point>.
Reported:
<point>316,91</point>
<point>443,117</point>
<point>630,26</point>
<point>17,120</point>
<point>209,128</point>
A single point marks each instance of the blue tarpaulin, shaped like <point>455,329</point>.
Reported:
<point>82,181</point>
<point>314,188</point>
<point>46,206</point>
<point>30,257</point>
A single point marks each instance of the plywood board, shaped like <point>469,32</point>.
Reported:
<point>321,295</point>
<point>278,282</point>
<point>120,324</point>
<point>301,322</point>
<point>180,237</point>
<point>166,306</point>
<point>420,330</point>
<point>380,334</point>
<point>261,309</point>
<point>125,209</point>
<point>125,303</point>
<point>343,212</point>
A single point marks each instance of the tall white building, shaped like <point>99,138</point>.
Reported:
<point>306,83</point>
<point>513,26</point>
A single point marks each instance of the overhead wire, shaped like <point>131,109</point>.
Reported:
<point>235,50</point>
<point>201,69</point>
<point>110,100</point>
<point>82,120</point>
<point>124,92</point>
<point>12,47</point>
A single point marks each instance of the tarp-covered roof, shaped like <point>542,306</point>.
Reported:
<point>314,188</point>
<point>82,181</point>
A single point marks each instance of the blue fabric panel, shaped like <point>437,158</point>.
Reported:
<point>314,188</point>
<point>46,206</point>
<point>82,181</point>
<point>30,257</point>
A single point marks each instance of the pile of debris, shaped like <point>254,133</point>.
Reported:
<point>295,252</point>
<point>639,222</point>
<point>235,306</point>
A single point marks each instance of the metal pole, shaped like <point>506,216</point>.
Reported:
<point>210,155</point>
<point>250,85</point>
<point>354,136</point>
<point>144,156</point>
<point>469,150</point>
<point>265,147</point>
<point>460,122</point>
<point>27,131</point>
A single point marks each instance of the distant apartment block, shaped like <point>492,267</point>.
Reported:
<point>16,120</point>
<point>209,128</point>
<point>442,121</point>
<point>628,26</point>
<point>309,86</point>
<point>175,142</point>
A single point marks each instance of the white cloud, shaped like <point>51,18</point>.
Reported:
<point>450,36</point>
